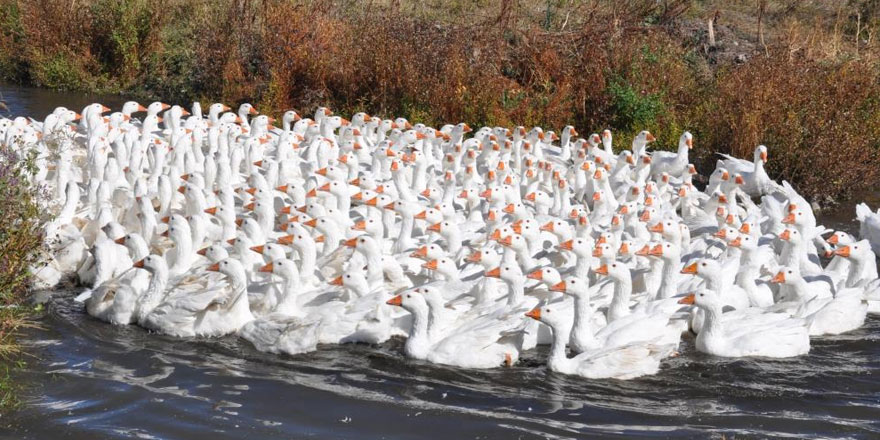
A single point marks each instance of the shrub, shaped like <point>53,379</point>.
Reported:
<point>626,65</point>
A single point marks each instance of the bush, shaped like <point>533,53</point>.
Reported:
<point>625,65</point>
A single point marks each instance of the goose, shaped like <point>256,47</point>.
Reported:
<point>824,315</point>
<point>618,362</point>
<point>479,343</point>
<point>194,307</point>
<point>673,164</point>
<point>781,339</point>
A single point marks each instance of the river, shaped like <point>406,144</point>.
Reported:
<point>90,380</point>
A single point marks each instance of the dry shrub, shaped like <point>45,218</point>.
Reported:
<point>819,121</point>
<point>594,64</point>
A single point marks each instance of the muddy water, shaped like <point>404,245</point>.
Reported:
<point>92,380</point>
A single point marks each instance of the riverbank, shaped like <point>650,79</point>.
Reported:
<point>21,237</point>
<point>799,77</point>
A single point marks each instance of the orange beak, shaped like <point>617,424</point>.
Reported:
<point>597,252</point>
<point>336,281</point>
<point>736,242</point>
<point>325,187</point>
<point>688,299</point>
<point>536,275</point>
<point>435,227</point>
<point>721,233</point>
<point>764,156</point>
<point>267,268</point>
<point>509,208</point>
<point>785,235</point>
<point>656,251</point>
<point>475,257</point>
<point>422,215</point>
<point>282,188</point>
<point>657,228</point>
<point>535,314</point>
<point>257,249</point>
<point>644,251</point>
<point>624,249</point>
<point>360,226</point>
<point>373,201</point>
<point>530,197</point>
<point>396,301</point>
<point>203,251</point>
<point>692,269</point>
<point>602,270</point>
<point>833,239</point>
<point>430,265</point>
<point>745,228</point>
<point>779,278</point>
<point>558,287</point>
<point>312,193</point>
<point>567,245</point>
<point>421,252</point>
<point>494,273</point>
<point>139,263</point>
<point>250,206</point>
<point>120,240</point>
<point>547,227</point>
<point>214,267</point>
<point>350,242</point>
<point>788,220</point>
<point>843,252</point>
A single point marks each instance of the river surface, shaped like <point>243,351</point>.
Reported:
<point>91,380</point>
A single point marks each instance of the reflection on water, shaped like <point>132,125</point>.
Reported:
<point>93,380</point>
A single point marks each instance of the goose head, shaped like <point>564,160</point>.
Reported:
<point>486,257</point>
<point>429,252</point>
<point>686,140</point>
<point>761,154</point>
<point>214,253</point>
<point>510,273</point>
<point>412,300</point>
<point>581,246</point>
<point>547,275</point>
<point>282,267</point>
<point>371,226</point>
<point>232,268</point>
<point>154,264</point>
<point>704,299</point>
<point>703,268</point>
<point>354,281</point>
<point>443,266</point>
<point>549,315</point>
<point>615,270</point>
<point>859,251</point>
<point>841,238</point>
<point>573,286</point>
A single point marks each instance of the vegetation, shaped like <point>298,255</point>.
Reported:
<point>798,75</point>
<point>20,244</point>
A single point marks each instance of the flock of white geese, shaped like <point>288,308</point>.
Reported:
<point>474,245</point>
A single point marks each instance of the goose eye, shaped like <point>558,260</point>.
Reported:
<point>408,295</point>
